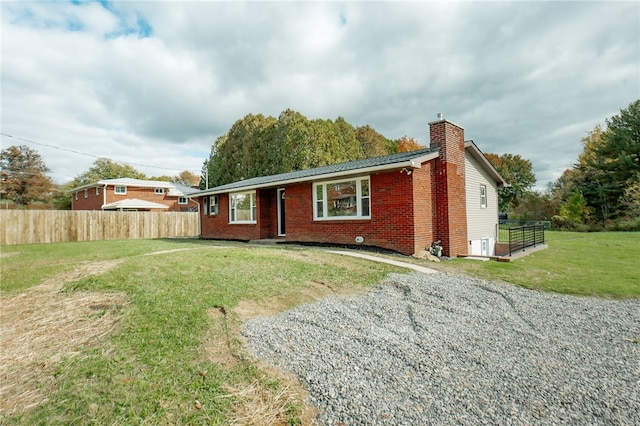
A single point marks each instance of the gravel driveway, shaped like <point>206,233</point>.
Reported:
<point>449,349</point>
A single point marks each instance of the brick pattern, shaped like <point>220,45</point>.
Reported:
<point>450,217</point>
<point>95,202</point>
<point>218,226</point>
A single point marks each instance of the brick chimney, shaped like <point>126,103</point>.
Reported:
<point>450,219</point>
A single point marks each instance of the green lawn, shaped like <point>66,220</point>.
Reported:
<point>176,318</point>
<point>603,264</point>
<point>147,369</point>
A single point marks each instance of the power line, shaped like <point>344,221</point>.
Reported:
<point>87,154</point>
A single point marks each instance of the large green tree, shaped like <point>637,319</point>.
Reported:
<point>22,176</point>
<point>258,146</point>
<point>518,172</point>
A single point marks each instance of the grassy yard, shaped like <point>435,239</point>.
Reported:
<point>168,348</point>
<point>603,264</point>
<point>147,331</point>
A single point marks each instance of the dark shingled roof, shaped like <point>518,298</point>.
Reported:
<point>319,171</point>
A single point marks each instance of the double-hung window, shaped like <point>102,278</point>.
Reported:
<point>122,190</point>
<point>242,208</point>
<point>343,199</point>
<point>483,196</point>
<point>213,205</point>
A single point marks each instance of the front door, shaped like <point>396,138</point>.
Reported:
<point>281,214</point>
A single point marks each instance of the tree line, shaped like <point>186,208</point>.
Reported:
<point>601,190</point>
<point>259,146</point>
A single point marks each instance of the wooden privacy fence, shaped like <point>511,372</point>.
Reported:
<point>53,226</point>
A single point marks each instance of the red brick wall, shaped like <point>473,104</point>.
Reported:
<point>450,220</point>
<point>95,202</point>
<point>423,206</point>
<point>218,226</point>
<point>391,224</point>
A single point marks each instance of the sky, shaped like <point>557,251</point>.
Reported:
<point>155,83</point>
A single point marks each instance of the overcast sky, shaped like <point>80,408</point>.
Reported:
<point>155,83</point>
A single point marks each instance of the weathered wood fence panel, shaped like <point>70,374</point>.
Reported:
<point>53,226</point>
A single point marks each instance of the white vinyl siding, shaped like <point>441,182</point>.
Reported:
<point>481,220</point>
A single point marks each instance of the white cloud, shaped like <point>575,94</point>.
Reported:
<point>155,82</point>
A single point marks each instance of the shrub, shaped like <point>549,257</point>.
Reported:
<point>626,225</point>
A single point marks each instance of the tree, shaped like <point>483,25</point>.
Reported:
<point>259,146</point>
<point>104,168</point>
<point>186,178</point>
<point>373,143</point>
<point>536,205</point>
<point>407,144</point>
<point>518,172</point>
<point>22,176</point>
<point>618,156</point>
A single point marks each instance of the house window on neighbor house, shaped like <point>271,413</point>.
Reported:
<point>122,190</point>
<point>182,200</point>
<point>242,208</point>
<point>76,196</point>
<point>97,190</point>
<point>158,191</point>
<point>86,193</point>
<point>483,196</point>
<point>213,205</point>
<point>342,199</point>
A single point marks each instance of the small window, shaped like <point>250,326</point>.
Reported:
<point>213,204</point>
<point>242,208</point>
<point>122,190</point>
<point>86,193</point>
<point>182,200</point>
<point>76,196</point>
<point>161,191</point>
<point>97,190</point>
<point>483,196</point>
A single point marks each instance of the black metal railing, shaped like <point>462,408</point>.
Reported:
<point>521,237</point>
<point>505,224</point>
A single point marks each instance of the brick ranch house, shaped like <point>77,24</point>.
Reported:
<point>126,194</point>
<point>402,202</point>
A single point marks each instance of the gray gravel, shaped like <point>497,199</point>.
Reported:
<point>449,349</point>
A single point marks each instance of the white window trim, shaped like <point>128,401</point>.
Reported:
<point>182,200</point>
<point>115,190</point>
<point>253,207</point>
<point>97,190</point>
<point>483,196</point>
<point>160,191</point>
<point>76,195</point>
<point>325,213</point>
<point>86,193</point>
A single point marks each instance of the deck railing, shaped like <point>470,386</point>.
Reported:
<point>521,237</point>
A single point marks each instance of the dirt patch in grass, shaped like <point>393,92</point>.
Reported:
<point>42,326</point>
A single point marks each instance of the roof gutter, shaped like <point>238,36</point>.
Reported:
<point>415,163</point>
